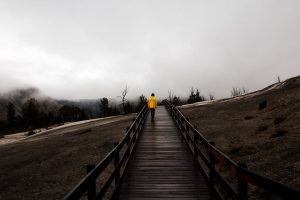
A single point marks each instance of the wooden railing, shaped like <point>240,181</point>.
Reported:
<point>118,157</point>
<point>213,164</point>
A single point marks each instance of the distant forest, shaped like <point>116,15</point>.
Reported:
<point>27,110</point>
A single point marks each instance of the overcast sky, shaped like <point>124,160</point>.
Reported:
<point>77,49</point>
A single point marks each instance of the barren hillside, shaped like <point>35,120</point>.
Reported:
<point>50,164</point>
<point>261,129</point>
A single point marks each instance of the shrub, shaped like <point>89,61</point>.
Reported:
<point>141,102</point>
<point>236,91</point>
<point>195,97</point>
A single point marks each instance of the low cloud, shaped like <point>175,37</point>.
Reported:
<point>93,49</point>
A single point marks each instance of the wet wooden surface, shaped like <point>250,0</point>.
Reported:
<point>162,167</point>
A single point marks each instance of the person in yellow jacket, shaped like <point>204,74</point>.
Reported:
<point>152,104</point>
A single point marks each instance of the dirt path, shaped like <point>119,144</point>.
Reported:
<point>49,164</point>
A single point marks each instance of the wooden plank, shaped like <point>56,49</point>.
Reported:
<point>162,167</point>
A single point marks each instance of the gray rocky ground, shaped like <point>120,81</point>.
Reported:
<point>49,164</point>
<point>268,139</point>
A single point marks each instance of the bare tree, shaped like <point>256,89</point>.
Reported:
<point>211,97</point>
<point>123,97</point>
<point>278,79</point>
<point>236,91</point>
<point>171,95</point>
<point>176,100</point>
<point>192,97</point>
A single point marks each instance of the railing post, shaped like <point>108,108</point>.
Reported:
<point>212,162</point>
<point>134,128</point>
<point>116,162</point>
<point>186,133</point>
<point>181,125</point>
<point>128,139</point>
<point>172,111</point>
<point>242,185</point>
<point>91,188</point>
<point>195,144</point>
<point>187,128</point>
<point>134,137</point>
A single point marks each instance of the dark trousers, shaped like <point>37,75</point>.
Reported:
<point>152,113</point>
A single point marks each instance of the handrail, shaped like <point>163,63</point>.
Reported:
<point>88,183</point>
<point>211,156</point>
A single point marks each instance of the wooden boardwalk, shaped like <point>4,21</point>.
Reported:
<point>162,167</point>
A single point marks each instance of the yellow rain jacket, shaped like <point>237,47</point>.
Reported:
<point>152,103</point>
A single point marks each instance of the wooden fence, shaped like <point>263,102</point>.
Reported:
<point>119,156</point>
<point>212,162</point>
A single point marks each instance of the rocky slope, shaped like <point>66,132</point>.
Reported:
<point>261,129</point>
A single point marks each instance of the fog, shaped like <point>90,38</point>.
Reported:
<point>90,49</point>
